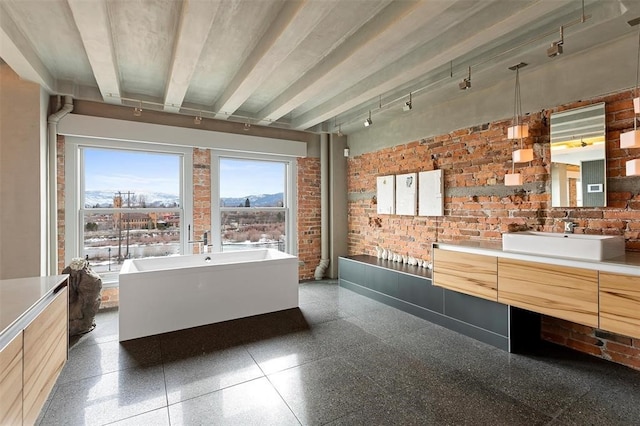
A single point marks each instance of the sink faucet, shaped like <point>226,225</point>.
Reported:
<point>569,225</point>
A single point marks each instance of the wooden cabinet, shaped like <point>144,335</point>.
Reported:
<point>45,353</point>
<point>558,291</point>
<point>11,382</point>
<point>472,274</point>
<point>620,303</point>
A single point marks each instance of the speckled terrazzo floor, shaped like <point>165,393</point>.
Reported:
<point>341,359</point>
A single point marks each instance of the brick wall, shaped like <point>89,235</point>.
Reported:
<point>479,207</point>
<point>201,195</point>
<point>610,346</point>
<point>308,216</point>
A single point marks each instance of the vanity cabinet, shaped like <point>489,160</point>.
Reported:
<point>558,291</point>
<point>472,274</point>
<point>620,303</point>
<point>409,288</point>
<point>11,382</point>
<point>45,353</point>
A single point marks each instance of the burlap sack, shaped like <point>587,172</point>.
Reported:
<point>84,296</point>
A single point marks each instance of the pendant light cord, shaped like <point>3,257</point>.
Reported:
<point>517,106</point>
<point>635,120</point>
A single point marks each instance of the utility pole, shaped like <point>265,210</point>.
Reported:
<point>129,193</point>
<point>118,201</point>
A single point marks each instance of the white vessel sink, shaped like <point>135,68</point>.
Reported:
<point>575,246</point>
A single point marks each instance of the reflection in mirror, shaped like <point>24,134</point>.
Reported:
<point>578,162</point>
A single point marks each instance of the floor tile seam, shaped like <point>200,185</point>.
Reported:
<point>170,404</point>
<point>43,414</point>
<point>362,405</point>
<point>80,345</point>
<point>133,367</point>
<point>308,361</point>
<point>570,404</point>
<point>505,396</point>
<point>164,380</point>
<point>403,387</point>
<point>136,366</point>
<point>136,415</point>
<point>283,399</point>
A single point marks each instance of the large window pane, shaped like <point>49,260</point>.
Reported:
<point>141,179</point>
<point>131,207</point>
<point>253,229</point>
<point>253,210</point>
<point>109,239</point>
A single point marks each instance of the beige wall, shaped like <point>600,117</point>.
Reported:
<point>22,212</point>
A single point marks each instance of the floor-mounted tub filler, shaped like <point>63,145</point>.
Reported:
<point>158,295</point>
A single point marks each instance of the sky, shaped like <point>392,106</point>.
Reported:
<point>118,170</point>
<point>239,178</point>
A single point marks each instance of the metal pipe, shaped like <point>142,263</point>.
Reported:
<point>52,187</point>
<point>324,207</point>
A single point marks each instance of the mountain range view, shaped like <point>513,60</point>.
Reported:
<point>104,199</point>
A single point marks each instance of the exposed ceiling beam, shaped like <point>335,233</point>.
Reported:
<point>395,22</point>
<point>294,23</point>
<point>193,31</point>
<point>94,25</point>
<point>413,65</point>
<point>17,52</point>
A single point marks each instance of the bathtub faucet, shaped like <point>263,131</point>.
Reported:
<point>205,240</point>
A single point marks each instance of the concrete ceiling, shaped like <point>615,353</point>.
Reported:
<point>307,64</point>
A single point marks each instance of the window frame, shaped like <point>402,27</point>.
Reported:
<point>75,187</point>
<point>289,196</point>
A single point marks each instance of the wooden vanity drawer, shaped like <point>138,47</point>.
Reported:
<point>620,303</point>
<point>11,382</point>
<point>558,291</point>
<point>45,353</point>
<point>472,274</point>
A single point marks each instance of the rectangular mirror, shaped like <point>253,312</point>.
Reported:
<point>578,157</point>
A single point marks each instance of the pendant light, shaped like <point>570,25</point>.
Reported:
<point>636,100</point>
<point>631,139</point>
<point>519,130</point>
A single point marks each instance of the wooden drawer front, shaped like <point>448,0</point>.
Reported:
<point>620,303</point>
<point>472,274</point>
<point>11,382</point>
<point>45,352</point>
<point>557,291</point>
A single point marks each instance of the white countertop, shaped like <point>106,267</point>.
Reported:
<point>18,296</point>
<point>628,264</point>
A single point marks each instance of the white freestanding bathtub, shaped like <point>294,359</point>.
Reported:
<point>158,295</point>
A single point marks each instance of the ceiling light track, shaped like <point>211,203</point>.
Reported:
<point>467,81</point>
<point>198,114</point>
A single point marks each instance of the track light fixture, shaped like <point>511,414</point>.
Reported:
<point>197,120</point>
<point>340,134</point>
<point>556,46</point>
<point>408,105</point>
<point>137,111</point>
<point>247,126</point>
<point>368,121</point>
<point>466,83</point>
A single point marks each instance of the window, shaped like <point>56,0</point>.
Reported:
<point>254,203</point>
<point>131,204</point>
